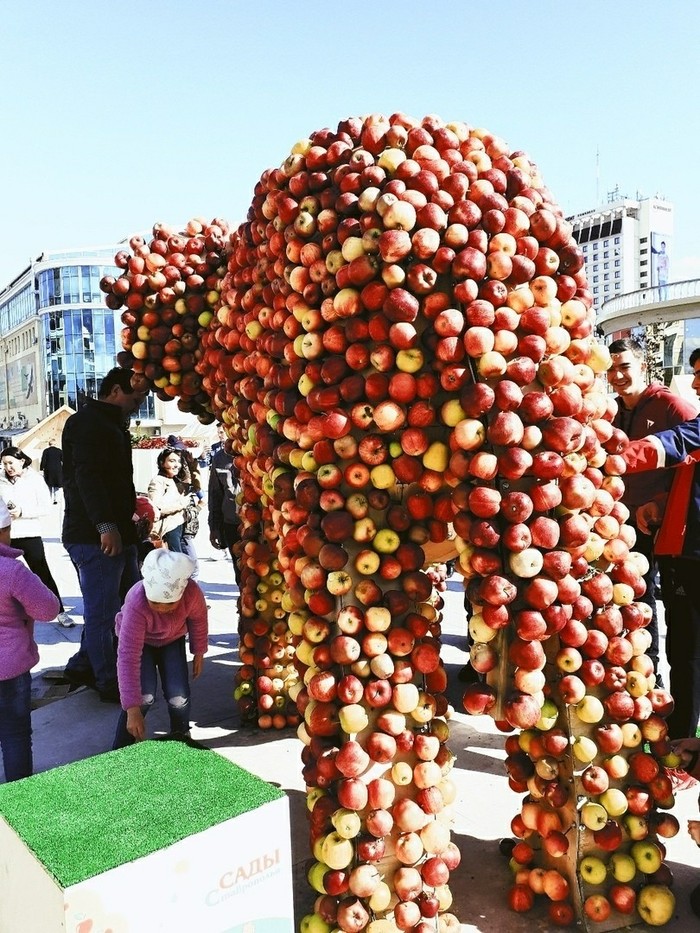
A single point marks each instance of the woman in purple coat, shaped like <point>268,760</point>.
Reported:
<point>23,598</point>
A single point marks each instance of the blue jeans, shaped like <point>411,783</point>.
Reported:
<point>173,539</point>
<point>171,662</point>
<point>103,582</point>
<point>16,726</point>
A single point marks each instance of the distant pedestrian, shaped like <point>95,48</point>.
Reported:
<point>28,501</point>
<point>98,528</point>
<point>168,499</point>
<point>23,598</point>
<point>158,613</point>
<point>224,485</point>
<point>51,466</point>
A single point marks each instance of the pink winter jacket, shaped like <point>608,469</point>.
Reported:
<point>137,624</point>
<point>23,598</point>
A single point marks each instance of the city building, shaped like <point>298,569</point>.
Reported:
<point>57,337</point>
<point>627,245</point>
<point>628,249</point>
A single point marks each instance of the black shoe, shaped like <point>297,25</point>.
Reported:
<point>109,695</point>
<point>78,678</point>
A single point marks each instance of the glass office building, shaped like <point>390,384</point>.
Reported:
<point>57,337</point>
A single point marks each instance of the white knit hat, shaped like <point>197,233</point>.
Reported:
<point>166,574</point>
<point>5,517</point>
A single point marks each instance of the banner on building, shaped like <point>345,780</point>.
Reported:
<point>18,386</point>
<point>660,244</point>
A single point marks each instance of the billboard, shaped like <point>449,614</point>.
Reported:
<point>660,248</point>
<point>18,387</point>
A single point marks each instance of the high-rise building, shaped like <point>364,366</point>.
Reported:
<point>626,244</point>
<point>57,337</point>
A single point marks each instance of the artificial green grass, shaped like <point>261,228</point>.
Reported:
<point>88,817</point>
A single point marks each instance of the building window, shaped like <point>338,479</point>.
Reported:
<point>606,265</point>
<point>643,239</point>
<point>595,278</point>
<point>616,241</point>
<point>595,267</point>
<point>617,275</point>
<point>606,254</point>
<point>643,252</point>
<point>606,242</point>
<point>595,289</point>
<point>617,262</point>
<point>643,262</point>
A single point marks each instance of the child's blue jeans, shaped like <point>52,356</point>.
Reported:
<point>16,726</point>
<point>170,661</point>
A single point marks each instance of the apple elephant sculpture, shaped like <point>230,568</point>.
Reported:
<point>400,342</point>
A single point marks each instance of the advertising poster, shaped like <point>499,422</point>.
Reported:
<point>660,245</point>
<point>18,385</point>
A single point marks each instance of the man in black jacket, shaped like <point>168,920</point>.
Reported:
<point>98,527</point>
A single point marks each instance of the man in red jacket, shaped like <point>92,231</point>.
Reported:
<point>644,408</point>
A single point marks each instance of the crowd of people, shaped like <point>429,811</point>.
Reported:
<point>135,562</point>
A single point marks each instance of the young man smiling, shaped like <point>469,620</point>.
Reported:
<point>644,408</point>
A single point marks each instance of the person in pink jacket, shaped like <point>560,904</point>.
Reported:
<point>158,613</point>
<point>23,598</point>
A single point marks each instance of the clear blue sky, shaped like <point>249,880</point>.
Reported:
<point>117,115</point>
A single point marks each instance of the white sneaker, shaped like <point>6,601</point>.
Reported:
<point>65,620</point>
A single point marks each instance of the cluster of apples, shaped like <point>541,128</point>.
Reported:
<point>168,288</point>
<point>267,646</point>
<point>404,345</point>
<point>595,798</point>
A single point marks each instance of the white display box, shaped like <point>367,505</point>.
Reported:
<point>233,877</point>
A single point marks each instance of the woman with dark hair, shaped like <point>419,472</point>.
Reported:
<point>170,503</point>
<point>28,501</point>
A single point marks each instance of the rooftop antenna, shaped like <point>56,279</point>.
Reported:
<point>597,175</point>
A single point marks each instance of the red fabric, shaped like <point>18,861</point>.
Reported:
<point>671,537</point>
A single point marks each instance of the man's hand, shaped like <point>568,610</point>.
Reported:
<point>135,724</point>
<point>649,517</point>
<point>197,665</point>
<point>111,543</point>
<point>217,541</point>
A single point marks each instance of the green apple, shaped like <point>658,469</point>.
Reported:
<point>592,869</point>
<point>337,852</point>
<point>353,718</point>
<point>346,823</point>
<point>312,923</point>
<point>593,815</point>
<point>635,826</point>
<point>656,904</point>
<point>548,716</point>
<point>437,457</point>
<point>315,877</point>
<point>647,856</point>
<point>585,749</point>
<point>410,361</point>
<point>382,476</point>
<point>622,867</point>
<point>386,541</point>
<point>590,709</point>
<point>452,413</point>
<point>614,801</point>
<point>631,735</point>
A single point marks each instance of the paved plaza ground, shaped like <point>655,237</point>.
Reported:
<point>68,727</point>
